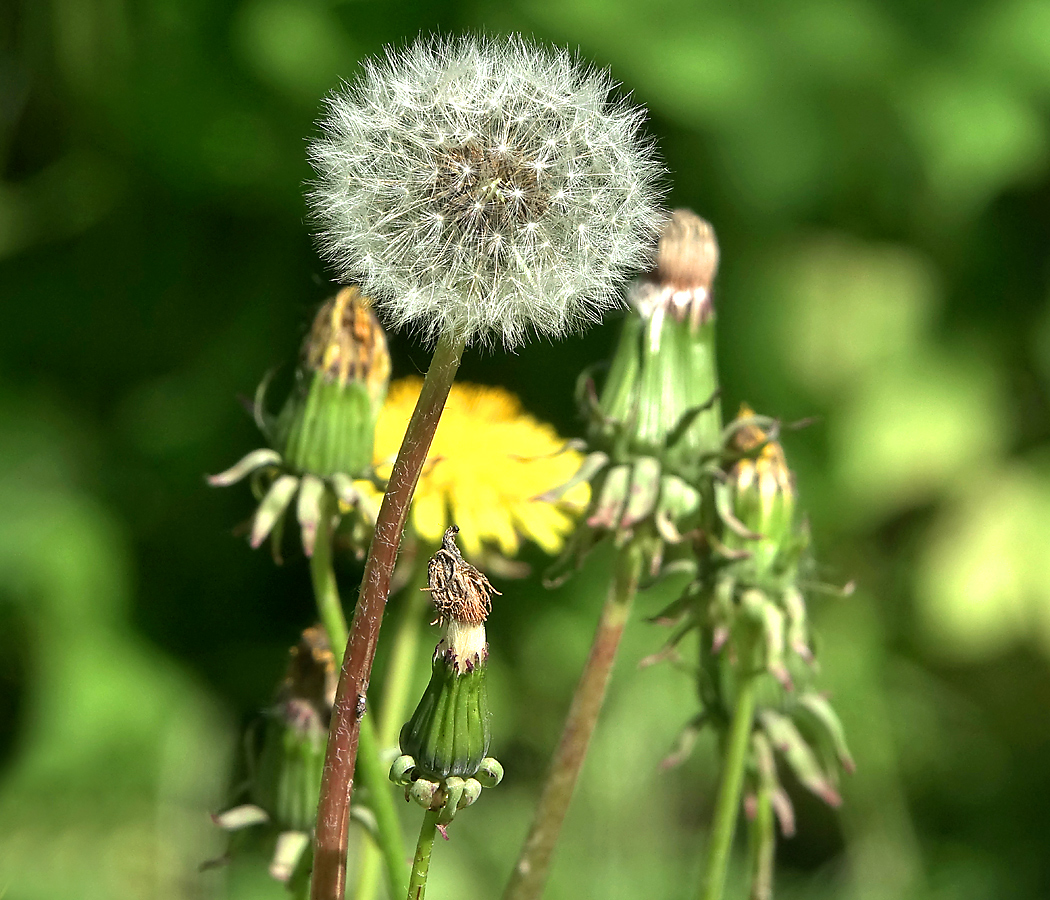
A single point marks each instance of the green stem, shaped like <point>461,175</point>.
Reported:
<point>417,886</point>
<point>401,668</point>
<point>530,874</point>
<point>388,828</point>
<point>727,804</point>
<point>333,808</point>
<point>762,846</point>
<point>392,709</point>
<point>322,574</point>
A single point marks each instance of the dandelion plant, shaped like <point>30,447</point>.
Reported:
<point>482,191</point>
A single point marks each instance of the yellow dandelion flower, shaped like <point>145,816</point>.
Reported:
<point>488,463</point>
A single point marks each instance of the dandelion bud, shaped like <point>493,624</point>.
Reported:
<point>657,421</point>
<point>660,398</point>
<point>763,496</point>
<point>484,188</point>
<point>448,734</point>
<point>288,778</point>
<point>327,426</point>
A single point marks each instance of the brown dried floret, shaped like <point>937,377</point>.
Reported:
<point>459,590</point>
<point>347,343</point>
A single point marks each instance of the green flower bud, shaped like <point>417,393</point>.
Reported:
<point>448,734</point>
<point>327,425</point>
<point>287,780</point>
<point>656,427</point>
<point>761,524</point>
<point>323,437</point>
<point>663,372</point>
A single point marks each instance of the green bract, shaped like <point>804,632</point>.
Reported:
<point>448,733</point>
<point>322,440</point>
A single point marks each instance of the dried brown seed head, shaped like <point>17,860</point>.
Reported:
<point>460,592</point>
<point>688,254</point>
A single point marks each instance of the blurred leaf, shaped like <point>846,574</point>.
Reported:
<point>1010,39</point>
<point>976,137</point>
<point>120,755</point>
<point>848,309</point>
<point>60,201</point>
<point>983,582</point>
<point>296,46</point>
<point>916,427</point>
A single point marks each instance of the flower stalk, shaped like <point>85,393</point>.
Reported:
<point>727,806</point>
<point>329,875</point>
<point>417,884</point>
<point>530,873</point>
<point>388,829</point>
<point>400,669</point>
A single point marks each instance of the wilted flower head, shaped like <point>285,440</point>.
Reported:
<point>487,187</point>
<point>686,264</point>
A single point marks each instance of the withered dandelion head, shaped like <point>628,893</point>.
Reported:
<point>460,592</point>
<point>489,188</point>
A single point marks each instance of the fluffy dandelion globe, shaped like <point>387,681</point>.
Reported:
<point>484,188</point>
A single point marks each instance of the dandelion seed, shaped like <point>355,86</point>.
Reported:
<point>469,185</point>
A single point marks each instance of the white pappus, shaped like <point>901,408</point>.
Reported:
<point>485,187</point>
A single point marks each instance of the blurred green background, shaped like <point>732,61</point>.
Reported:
<point>878,175</point>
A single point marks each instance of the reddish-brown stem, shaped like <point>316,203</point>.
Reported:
<point>530,874</point>
<point>329,875</point>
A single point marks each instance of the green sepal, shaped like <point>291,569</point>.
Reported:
<point>327,427</point>
<point>287,781</point>
<point>661,391</point>
<point>448,734</point>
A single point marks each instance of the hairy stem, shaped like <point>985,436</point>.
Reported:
<point>397,682</point>
<point>388,828</point>
<point>417,884</point>
<point>530,874</point>
<point>329,876</point>
<point>727,804</point>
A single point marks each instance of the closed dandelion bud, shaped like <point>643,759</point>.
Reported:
<point>660,395</point>
<point>448,734</point>
<point>287,781</point>
<point>322,440</point>
<point>327,425</point>
<point>657,421</point>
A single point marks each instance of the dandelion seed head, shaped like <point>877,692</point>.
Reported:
<point>488,187</point>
